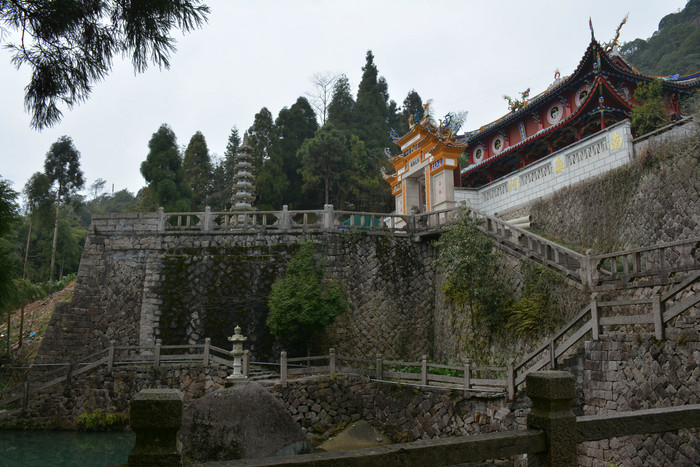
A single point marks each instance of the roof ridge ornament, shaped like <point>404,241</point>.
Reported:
<point>590,25</point>
<point>613,46</point>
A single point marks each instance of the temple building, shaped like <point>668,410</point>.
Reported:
<point>580,118</point>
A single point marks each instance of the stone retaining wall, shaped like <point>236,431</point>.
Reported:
<point>627,371</point>
<point>653,200</point>
<point>112,393</point>
<point>406,413</point>
<point>136,285</point>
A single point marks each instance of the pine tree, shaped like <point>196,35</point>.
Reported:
<point>198,170</point>
<point>341,109</point>
<point>234,141</point>
<point>222,183</point>
<point>270,180</point>
<point>261,137</point>
<point>330,163</point>
<point>371,107</point>
<point>62,166</point>
<point>293,126</point>
<point>412,107</point>
<point>164,174</point>
<point>69,45</point>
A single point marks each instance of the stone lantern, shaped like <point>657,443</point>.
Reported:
<point>238,339</point>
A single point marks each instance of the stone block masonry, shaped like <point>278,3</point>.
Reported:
<point>627,372</point>
<point>136,285</point>
<point>321,405</point>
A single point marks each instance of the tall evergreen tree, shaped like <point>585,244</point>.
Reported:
<point>371,107</point>
<point>198,170</point>
<point>293,126</point>
<point>395,115</point>
<point>9,214</point>
<point>39,199</point>
<point>261,137</point>
<point>222,179</point>
<point>412,106</point>
<point>234,141</point>
<point>341,109</point>
<point>271,183</point>
<point>164,174</point>
<point>62,166</point>
<point>330,164</point>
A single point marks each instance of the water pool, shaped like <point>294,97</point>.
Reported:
<point>64,448</point>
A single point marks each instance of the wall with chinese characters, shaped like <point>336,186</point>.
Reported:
<point>590,157</point>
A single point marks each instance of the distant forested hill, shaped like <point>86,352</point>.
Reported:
<point>674,48</point>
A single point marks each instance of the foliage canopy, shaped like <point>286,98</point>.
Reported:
<point>69,45</point>
<point>473,271</point>
<point>302,303</point>
<point>651,114</point>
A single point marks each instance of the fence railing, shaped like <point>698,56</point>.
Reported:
<point>648,266</point>
<point>638,267</point>
<point>327,219</point>
<point>422,373</point>
<point>652,312</point>
<point>156,356</point>
<point>654,265</point>
<point>551,437</point>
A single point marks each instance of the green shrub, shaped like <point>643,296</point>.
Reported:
<point>99,420</point>
<point>536,311</point>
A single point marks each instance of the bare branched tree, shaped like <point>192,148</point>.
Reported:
<point>322,93</point>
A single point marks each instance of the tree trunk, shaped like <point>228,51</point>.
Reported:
<point>21,327</point>
<point>308,352</point>
<point>26,252</point>
<point>8,332</point>
<point>55,238</point>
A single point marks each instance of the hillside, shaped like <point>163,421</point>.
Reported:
<point>673,48</point>
<point>36,318</point>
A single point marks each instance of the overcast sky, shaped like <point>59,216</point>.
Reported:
<point>465,55</point>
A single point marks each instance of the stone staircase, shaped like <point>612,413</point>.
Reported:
<point>661,264</point>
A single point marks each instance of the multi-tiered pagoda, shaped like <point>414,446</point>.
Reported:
<point>244,178</point>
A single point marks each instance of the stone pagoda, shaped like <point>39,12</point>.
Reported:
<point>244,179</point>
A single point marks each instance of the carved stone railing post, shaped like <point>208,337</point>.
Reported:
<point>595,319</point>
<point>206,222</point>
<point>327,217</point>
<point>331,362</point>
<point>161,219</point>
<point>156,355</point>
<point>155,415</point>
<point>552,393</point>
<point>424,370</point>
<point>285,221</point>
<point>283,368</point>
<point>207,351</point>
<point>511,378</point>
<point>246,363</point>
<point>658,313</point>
<point>468,374</point>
